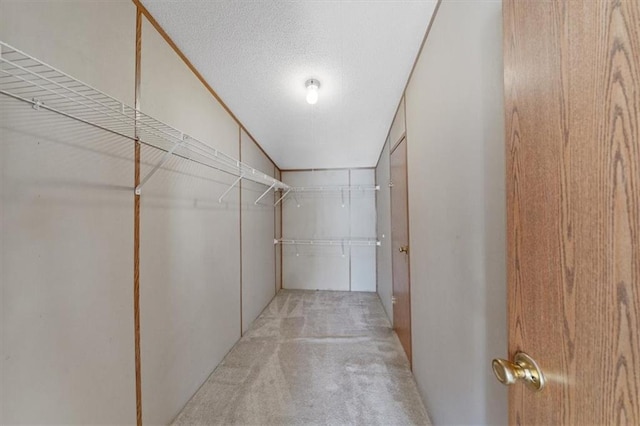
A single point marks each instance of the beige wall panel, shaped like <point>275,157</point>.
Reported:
<point>327,215</point>
<point>362,210</point>
<point>398,125</point>
<point>186,104</point>
<point>258,251</point>
<point>383,225</point>
<point>190,244</point>
<point>455,137</point>
<point>320,216</point>
<point>93,41</point>
<point>66,227</point>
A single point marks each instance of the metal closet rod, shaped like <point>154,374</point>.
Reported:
<point>343,242</point>
<point>27,79</point>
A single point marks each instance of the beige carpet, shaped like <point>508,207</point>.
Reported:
<point>312,358</point>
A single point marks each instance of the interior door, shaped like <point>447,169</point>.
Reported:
<point>572,104</point>
<point>400,246</point>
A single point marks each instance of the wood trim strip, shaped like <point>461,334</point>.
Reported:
<point>240,215</point>
<point>403,136</point>
<point>406,170</point>
<point>193,69</point>
<point>349,183</point>
<point>275,234</point>
<point>136,229</point>
<point>327,169</point>
<point>281,234</point>
<point>413,68</point>
<point>377,194</point>
<point>386,141</point>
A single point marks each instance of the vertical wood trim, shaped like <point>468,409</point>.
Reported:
<point>275,233</point>
<point>349,183</point>
<point>375,182</point>
<point>136,229</point>
<point>406,170</point>
<point>281,235</point>
<point>240,214</point>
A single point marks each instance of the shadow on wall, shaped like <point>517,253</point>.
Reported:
<point>457,202</point>
<point>492,96</point>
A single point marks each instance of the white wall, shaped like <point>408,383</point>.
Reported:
<point>258,225</point>
<point>455,135</point>
<point>328,216</point>
<point>362,211</point>
<point>190,246</point>
<point>66,227</point>
<point>383,230</point>
<point>66,234</point>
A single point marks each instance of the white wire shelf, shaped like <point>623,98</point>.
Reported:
<point>338,243</point>
<point>27,79</point>
<point>338,188</point>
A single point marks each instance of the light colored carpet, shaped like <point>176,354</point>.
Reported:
<point>312,358</point>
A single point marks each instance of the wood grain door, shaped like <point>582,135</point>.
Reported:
<point>572,103</point>
<point>400,246</point>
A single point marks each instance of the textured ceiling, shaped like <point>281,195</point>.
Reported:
<point>257,56</point>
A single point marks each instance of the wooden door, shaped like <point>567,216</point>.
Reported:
<point>399,246</point>
<point>572,103</point>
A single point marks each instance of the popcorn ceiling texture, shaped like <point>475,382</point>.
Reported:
<point>312,357</point>
<point>258,55</point>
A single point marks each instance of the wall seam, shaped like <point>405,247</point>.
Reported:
<point>350,251</point>
<point>195,72</point>
<point>240,215</point>
<point>136,226</point>
<point>406,141</point>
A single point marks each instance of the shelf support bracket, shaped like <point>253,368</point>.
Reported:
<point>282,198</point>
<point>231,187</point>
<point>160,163</point>
<point>265,193</point>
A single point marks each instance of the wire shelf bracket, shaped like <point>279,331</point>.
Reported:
<point>265,193</point>
<point>167,155</point>
<point>230,188</point>
<point>282,198</point>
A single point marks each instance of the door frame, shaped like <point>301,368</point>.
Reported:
<point>403,138</point>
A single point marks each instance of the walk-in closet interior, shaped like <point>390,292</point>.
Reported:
<point>289,212</point>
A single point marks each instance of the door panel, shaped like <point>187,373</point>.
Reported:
<point>572,100</point>
<point>400,240</point>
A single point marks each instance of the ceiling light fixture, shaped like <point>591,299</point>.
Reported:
<point>312,86</point>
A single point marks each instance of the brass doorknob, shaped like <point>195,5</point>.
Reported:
<point>523,368</point>
<point>404,249</point>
